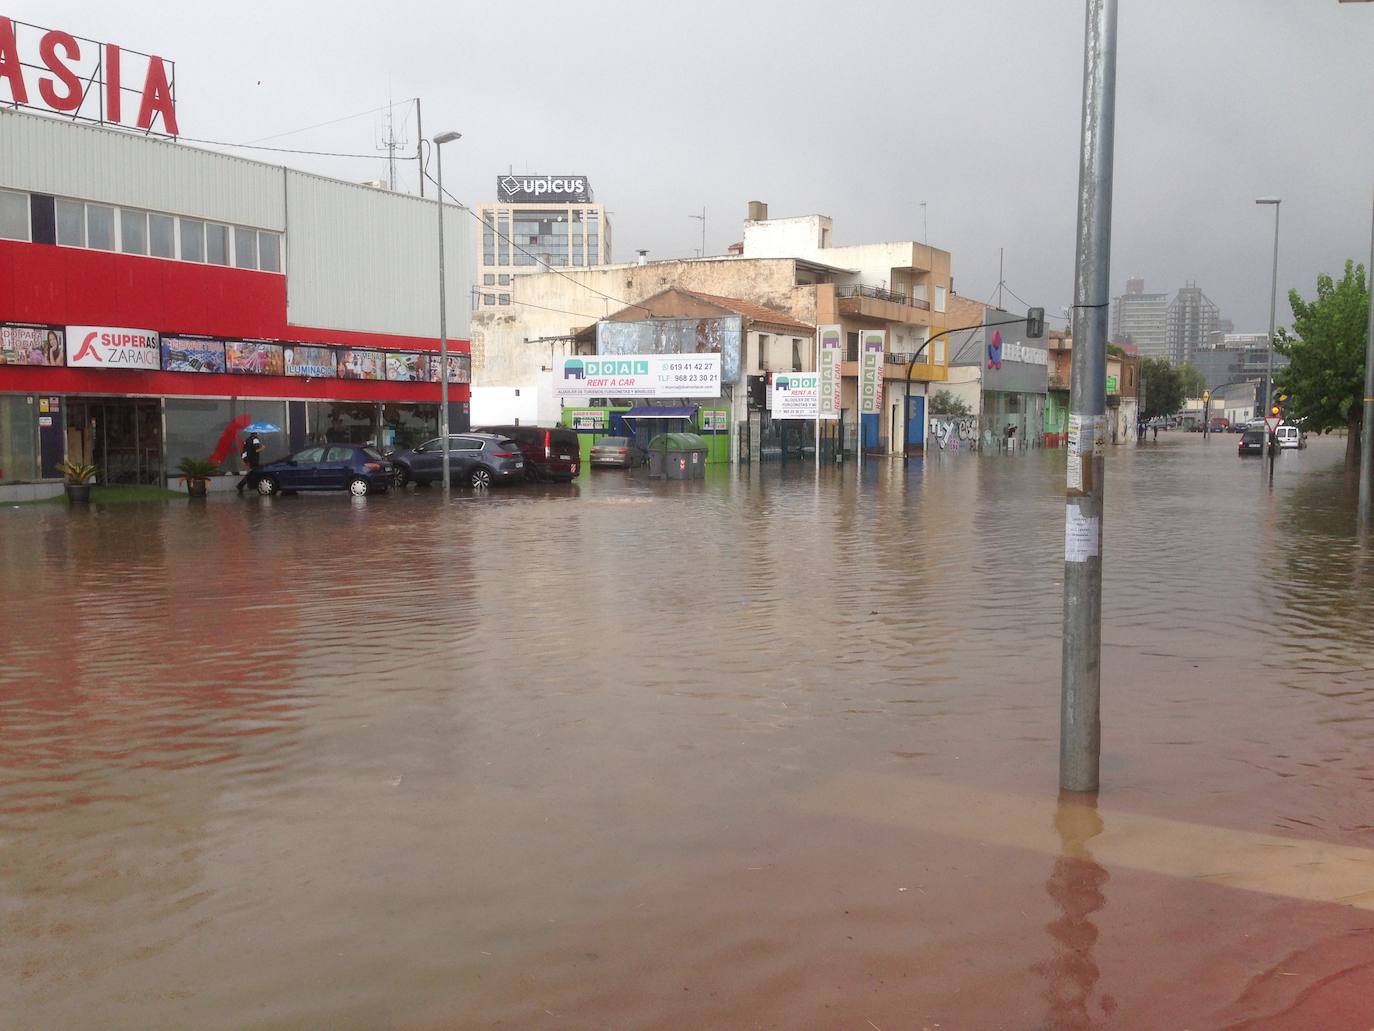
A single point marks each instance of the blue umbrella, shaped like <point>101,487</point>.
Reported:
<point>262,427</point>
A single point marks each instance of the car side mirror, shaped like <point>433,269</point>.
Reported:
<point>419,449</point>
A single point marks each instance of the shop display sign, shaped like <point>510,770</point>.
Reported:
<point>406,367</point>
<point>871,372</point>
<point>796,395</point>
<point>715,421</point>
<point>640,375</point>
<point>30,345</point>
<point>192,354</point>
<point>828,355</point>
<point>459,368</point>
<point>356,364</point>
<point>108,347</point>
<point>552,189</point>
<point>85,79</point>
<point>254,357</point>
<point>312,362</point>
<point>594,420</point>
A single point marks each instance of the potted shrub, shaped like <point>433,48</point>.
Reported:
<point>77,477</point>
<point>196,473</point>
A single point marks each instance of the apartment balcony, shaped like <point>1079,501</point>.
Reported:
<point>1058,380</point>
<point>894,368</point>
<point>871,302</point>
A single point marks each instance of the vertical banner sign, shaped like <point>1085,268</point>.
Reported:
<point>828,354</point>
<point>871,372</point>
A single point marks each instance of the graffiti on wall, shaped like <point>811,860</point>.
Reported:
<point>952,432</point>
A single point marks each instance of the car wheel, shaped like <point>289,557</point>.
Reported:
<point>399,477</point>
<point>267,486</point>
<point>357,487</point>
<point>481,477</point>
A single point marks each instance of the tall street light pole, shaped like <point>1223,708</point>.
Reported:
<point>1267,400</point>
<point>439,141</point>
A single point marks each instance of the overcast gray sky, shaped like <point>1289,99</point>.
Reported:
<point>857,110</point>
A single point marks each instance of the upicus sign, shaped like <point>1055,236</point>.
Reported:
<point>52,70</point>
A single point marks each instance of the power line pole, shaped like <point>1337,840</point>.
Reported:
<point>1367,427</point>
<point>1080,731</point>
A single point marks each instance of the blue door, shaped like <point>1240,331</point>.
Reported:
<point>870,429</point>
<point>916,421</point>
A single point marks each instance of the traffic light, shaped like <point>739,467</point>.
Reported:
<point>1274,410</point>
<point>1035,323</point>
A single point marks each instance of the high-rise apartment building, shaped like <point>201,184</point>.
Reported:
<point>1141,319</point>
<point>1191,320</point>
<point>537,222</point>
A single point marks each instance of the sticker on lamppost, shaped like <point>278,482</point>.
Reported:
<point>640,375</point>
<point>795,395</point>
<point>871,372</point>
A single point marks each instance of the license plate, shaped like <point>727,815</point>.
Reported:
<point>565,458</point>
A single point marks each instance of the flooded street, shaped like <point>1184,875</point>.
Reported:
<point>767,751</point>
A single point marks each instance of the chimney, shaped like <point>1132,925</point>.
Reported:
<point>758,211</point>
<point>643,257</point>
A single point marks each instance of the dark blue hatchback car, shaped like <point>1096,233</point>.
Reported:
<point>357,468</point>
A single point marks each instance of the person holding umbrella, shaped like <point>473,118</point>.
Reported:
<point>251,456</point>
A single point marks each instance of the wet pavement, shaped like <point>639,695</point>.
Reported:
<point>766,751</point>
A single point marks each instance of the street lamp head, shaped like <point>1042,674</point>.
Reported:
<point>1268,200</point>
<point>447,137</point>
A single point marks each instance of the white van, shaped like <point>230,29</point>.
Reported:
<point>1289,436</point>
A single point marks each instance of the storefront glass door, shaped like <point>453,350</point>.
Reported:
<point>121,437</point>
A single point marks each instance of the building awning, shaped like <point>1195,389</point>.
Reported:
<point>661,412</point>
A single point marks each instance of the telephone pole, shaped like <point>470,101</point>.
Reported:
<point>1080,729</point>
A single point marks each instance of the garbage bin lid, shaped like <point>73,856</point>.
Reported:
<point>678,442</point>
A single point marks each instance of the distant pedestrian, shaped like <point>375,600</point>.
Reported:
<point>1156,433</point>
<point>251,456</point>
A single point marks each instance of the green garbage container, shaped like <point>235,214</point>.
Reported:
<point>678,456</point>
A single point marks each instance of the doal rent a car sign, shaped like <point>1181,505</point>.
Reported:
<point>796,395</point>
<point>640,375</point>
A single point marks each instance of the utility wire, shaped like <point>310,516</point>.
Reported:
<point>557,271</point>
<point>293,150</point>
<point>332,121</point>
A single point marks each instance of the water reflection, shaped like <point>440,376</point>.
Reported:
<point>1076,885</point>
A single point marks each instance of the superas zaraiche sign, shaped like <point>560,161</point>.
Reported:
<point>109,347</point>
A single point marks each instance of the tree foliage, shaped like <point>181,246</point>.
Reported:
<point>1191,380</point>
<point>942,402</point>
<point>1325,381</point>
<point>1163,388</point>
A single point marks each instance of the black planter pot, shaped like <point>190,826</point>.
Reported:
<point>78,493</point>
<point>197,488</point>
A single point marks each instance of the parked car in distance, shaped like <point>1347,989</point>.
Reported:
<point>613,451</point>
<point>1251,442</point>
<point>475,459</point>
<point>551,452</point>
<point>1289,437</point>
<point>359,469</point>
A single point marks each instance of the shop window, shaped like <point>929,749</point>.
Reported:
<point>100,231</point>
<point>162,236</point>
<point>133,231</point>
<point>216,244</point>
<point>245,248</point>
<point>14,215</point>
<point>269,252</point>
<point>192,240</point>
<point>71,223</point>
<point>18,440</point>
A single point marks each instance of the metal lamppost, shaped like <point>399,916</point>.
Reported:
<point>1273,301</point>
<point>439,141</point>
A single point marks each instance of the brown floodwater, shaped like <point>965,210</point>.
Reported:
<point>767,751</point>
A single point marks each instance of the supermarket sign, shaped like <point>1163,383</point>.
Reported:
<point>86,79</point>
<point>107,347</point>
<point>640,375</point>
<point>796,395</point>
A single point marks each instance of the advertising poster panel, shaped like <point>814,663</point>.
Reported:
<point>31,345</point>
<point>192,354</point>
<point>640,375</point>
<point>312,362</point>
<point>254,357</point>
<point>871,372</point>
<point>357,364</point>
<point>796,395</point>
<point>828,355</point>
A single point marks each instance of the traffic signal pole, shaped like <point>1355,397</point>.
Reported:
<point>1080,734</point>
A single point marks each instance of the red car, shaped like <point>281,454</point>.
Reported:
<point>551,452</point>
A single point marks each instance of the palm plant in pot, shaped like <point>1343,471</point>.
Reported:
<point>196,473</point>
<point>77,477</point>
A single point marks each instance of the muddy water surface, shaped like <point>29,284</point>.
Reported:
<point>767,751</point>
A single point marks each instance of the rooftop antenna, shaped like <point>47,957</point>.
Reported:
<point>391,143</point>
<point>702,219</point>
<point>925,226</point>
